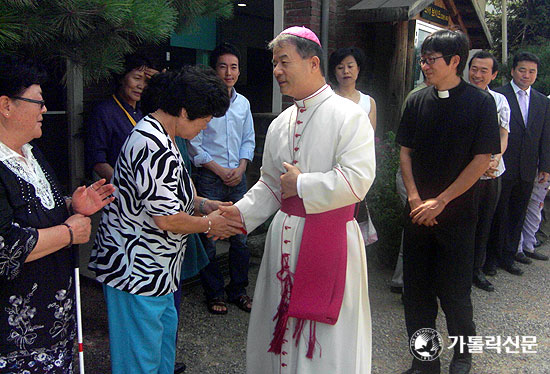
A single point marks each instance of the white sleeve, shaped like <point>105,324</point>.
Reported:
<point>352,175</point>
<point>264,198</point>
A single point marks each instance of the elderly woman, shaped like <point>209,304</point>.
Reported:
<point>37,322</point>
<point>344,71</point>
<point>142,237</point>
<point>112,120</point>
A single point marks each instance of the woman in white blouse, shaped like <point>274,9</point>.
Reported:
<point>344,71</point>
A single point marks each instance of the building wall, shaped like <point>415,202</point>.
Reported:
<point>389,47</point>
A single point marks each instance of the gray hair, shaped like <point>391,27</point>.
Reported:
<point>305,48</point>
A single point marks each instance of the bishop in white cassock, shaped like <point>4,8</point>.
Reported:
<point>319,153</point>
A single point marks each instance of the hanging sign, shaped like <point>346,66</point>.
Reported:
<point>436,14</point>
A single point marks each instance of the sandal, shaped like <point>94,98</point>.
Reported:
<point>242,303</point>
<point>216,302</point>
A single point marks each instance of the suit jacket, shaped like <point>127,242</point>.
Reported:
<point>528,147</point>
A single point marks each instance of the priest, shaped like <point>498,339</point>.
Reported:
<point>311,310</point>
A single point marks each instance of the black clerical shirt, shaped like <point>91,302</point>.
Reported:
<point>445,134</point>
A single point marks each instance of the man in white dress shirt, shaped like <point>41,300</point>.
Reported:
<point>483,69</point>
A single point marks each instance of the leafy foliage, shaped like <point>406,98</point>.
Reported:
<point>528,30</point>
<point>527,22</point>
<point>190,11</point>
<point>95,34</point>
<point>384,204</point>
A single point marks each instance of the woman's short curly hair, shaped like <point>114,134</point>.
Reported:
<point>197,89</point>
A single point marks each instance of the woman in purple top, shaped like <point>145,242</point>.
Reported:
<point>112,120</point>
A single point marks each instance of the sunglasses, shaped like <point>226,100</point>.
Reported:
<point>42,103</point>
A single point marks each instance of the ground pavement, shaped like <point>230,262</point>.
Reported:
<point>211,344</point>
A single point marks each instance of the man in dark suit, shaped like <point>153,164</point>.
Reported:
<point>528,152</point>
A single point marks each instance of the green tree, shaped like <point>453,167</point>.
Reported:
<point>527,22</point>
<point>528,30</point>
<point>96,34</point>
<point>385,207</point>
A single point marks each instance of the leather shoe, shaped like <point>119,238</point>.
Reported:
<point>513,269</point>
<point>490,270</point>
<point>520,257</point>
<point>460,365</point>
<point>480,281</point>
<point>536,256</point>
<point>179,367</point>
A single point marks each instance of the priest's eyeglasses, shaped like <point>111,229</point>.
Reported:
<point>42,103</point>
<point>430,60</point>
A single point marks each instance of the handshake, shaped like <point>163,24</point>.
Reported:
<point>225,219</point>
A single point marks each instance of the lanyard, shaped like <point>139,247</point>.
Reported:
<point>133,121</point>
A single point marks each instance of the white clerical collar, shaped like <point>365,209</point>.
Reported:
<point>315,98</point>
<point>443,94</point>
<point>517,89</point>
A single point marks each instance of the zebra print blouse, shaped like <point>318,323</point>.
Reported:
<point>130,252</point>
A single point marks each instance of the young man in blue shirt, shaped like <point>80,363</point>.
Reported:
<point>221,153</point>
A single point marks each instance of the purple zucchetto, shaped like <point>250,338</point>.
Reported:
<point>302,32</point>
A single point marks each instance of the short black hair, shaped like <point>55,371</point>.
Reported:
<point>485,54</point>
<point>196,89</point>
<point>340,54</point>
<point>448,43</point>
<point>132,62</point>
<point>16,75</point>
<point>305,47</point>
<point>525,56</point>
<point>223,49</point>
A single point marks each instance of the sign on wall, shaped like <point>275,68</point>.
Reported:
<point>436,14</point>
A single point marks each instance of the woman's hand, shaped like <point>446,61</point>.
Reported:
<point>149,72</point>
<point>221,227</point>
<point>81,227</point>
<point>87,201</point>
<point>213,205</point>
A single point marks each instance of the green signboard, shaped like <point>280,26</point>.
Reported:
<point>202,35</point>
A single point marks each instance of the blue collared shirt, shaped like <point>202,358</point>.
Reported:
<point>227,139</point>
<point>107,130</point>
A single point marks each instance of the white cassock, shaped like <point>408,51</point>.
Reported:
<point>331,141</point>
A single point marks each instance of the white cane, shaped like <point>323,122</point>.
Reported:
<point>78,309</point>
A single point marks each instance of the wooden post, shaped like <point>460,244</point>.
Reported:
<point>398,74</point>
<point>75,107</point>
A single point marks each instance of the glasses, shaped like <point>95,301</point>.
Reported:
<point>42,103</point>
<point>430,60</point>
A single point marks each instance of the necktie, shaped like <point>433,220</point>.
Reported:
<point>522,101</point>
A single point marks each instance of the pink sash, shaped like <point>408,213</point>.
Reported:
<point>317,285</point>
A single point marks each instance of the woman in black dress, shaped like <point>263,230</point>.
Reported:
<point>37,311</point>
